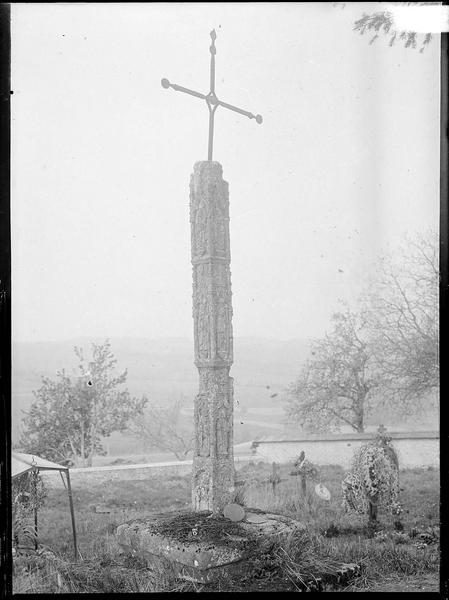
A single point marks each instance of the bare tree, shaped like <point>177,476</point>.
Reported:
<point>163,428</point>
<point>403,319</point>
<point>385,356</point>
<point>337,383</point>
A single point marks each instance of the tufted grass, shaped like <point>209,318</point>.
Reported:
<point>390,560</point>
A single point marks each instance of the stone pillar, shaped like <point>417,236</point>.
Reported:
<point>213,460</point>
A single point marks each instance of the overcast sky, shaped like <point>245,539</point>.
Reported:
<point>345,162</point>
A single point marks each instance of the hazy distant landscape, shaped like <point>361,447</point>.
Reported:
<point>163,370</point>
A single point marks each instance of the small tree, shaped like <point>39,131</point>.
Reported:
<point>336,384</point>
<point>69,418</point>
<point>163,428</point>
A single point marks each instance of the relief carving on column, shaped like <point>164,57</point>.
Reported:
<point>203,332</point>
<point>223,326</point>
<point>221,276</point>
<point>201,492</point>
<point>212,315</point>
<point>215,381</point>
<point>220,226</point>
<point>202,425</point>
<point>221,289</point>
<point>199,221</point>
<point>209,217</point>
<point>201,311</point>
<point>224,415</point>
<point>200,226</point>
<point>216,388</point>
<point>223,434</point>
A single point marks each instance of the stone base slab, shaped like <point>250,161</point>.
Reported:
<point>201,547</point>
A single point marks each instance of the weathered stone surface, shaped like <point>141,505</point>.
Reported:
<point>201,546</point>
<point>234,512</point>
<point>141,540</point>
<point>255,518</point>
<point>213,470</point>
<point>206,548</point>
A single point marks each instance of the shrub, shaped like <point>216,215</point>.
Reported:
<point>373,481</point>
<point>28,495</point>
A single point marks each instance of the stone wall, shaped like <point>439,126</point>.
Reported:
<point>415,449</point>
<point>151,471</point>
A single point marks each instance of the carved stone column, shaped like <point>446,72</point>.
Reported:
<point>213,461</point>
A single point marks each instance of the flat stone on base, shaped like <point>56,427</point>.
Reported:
<point>201,547</point>
<point>234,512</point>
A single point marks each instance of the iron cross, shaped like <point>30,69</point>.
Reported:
<point>211,98</point>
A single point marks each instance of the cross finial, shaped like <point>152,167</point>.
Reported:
<point>211,98</point>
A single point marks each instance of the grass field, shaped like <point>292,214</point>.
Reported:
<point>401,556</point>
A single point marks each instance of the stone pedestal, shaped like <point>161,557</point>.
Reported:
<point>213,462</point>
<point>233,556</point>
<point>202,547</point>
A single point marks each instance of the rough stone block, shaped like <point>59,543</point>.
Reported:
<point>202,547</point>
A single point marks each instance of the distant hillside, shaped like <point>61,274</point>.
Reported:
<point>163,369</point>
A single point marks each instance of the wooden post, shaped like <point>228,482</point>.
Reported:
<point>72,512</point>
<point>63,482</point>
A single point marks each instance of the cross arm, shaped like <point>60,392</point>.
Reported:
<point>240,111</point>
<point>179,88</point>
